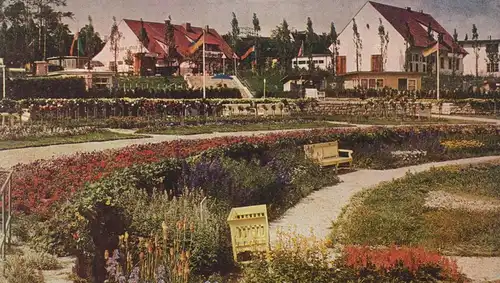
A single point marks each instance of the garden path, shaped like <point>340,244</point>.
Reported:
<point>317,211</point>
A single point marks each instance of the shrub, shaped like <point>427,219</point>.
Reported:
<point>18,270</point>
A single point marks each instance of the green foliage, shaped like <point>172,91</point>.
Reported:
<point>46,88</point>
<point>395,213</point>
<point>18,270</point>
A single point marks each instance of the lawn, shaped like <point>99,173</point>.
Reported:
<point>101,135</point>
<point>262,126</point>
<point>151,82</point>
<point>394,121</point>
<point>402,212</point>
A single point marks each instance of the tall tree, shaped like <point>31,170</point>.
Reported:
<point>492,57</point>
<point>410,43</point>
<point>169,40</point>
<point>476,46</point>
<point>114,40</point>
<point>430,33</point>
<point>384,43</point>
<point>310,42</point>
<point>143,37</point>
<point>256,29</point>
<point>91,40</point>
<point>333,36</point>
<point>358,43</point>
<point>235,32</point>
<point>454,65</point>
<point>282,36</point>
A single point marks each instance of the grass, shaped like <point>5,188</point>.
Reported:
<point>212,128</point>
<point>44,141</point>
<point>394,121</point>
<point>395,213</point>
<point>151,82</point>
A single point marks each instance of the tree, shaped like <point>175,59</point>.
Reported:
<point>91,40</point>
<point>410,43</point>
<point>333,36</point>
<point>358,43</point>
<point>310,39</point>
<point>430,34</point>
<point>169,40</point>
<point>114,40</point>
<point>143,37</point>
<point>235,32</point>
<point>384,43</point>
<point>256,29</point>
<point>476,47</point>
<point>129,58</point>
<point>256,24</point>
<point>454,66</point>
<point>283,44</point>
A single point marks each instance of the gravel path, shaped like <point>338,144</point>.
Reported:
<point>9,158</point>
<point>317,211</point>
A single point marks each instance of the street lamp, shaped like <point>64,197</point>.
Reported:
<point>264,87</point>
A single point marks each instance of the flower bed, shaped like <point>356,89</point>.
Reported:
<point>39,184</point>
<point>33,131</point>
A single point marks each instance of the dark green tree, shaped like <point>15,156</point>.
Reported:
<point>284,45</point>
<point>358,43</point>
<point>476,47</point>
<point>333,36</point>
<point>114,40</point>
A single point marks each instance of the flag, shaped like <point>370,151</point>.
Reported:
<point>192,49</point>
<point>430,50</point>
<point>301,50</point>
<point>79,45</point>
<point>249,51</point>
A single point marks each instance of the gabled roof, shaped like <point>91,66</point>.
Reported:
<point>417,23</point>
<point>183,38</point>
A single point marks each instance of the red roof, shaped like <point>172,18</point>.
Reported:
<point>183,38</point>
<point>417,23</point>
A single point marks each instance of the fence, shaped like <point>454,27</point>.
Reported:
<point>6,192</point>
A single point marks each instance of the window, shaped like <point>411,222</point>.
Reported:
<point>424,68</point>
<point>441,63</point>
<point>302,62</point>
<point>341,65</point>
<point>416,67</point>
<point>491,68</point>
<point>450,63</point>
<point>364,83</point>
<point>411,67</point>
<point>412,84</point>
<point>120,63</point>
<point>372,83</point>
<point>112,66</point>
<point>376,63</point>
<point>457,63</point>
<point>415,57</point>
<point>380,83</point>
<point>322,61</point>
<point>315,61</point>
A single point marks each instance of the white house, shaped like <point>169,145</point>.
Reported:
<point>321,61</point>
<point>407,30</point>
<point>484,65</point>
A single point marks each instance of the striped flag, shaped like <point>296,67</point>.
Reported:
<point>430,50</point>
<point>192,49</point>
<point>301,50</point>
<point>249,51</point>
<point>79,46</point>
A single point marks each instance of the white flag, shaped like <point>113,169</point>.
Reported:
<point>331,48</point>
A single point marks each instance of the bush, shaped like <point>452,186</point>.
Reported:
<point>18,270</point>
<point>46,88</point>
<point>303,259</point>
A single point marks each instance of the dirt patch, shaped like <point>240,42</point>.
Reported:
<point>442,199</point>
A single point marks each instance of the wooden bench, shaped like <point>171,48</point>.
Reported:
<point>328,154</point>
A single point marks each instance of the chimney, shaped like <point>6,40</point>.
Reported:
<point>187,26</point>
<point>421,11</point>
<point>408,9</point>
<point>167,22</point>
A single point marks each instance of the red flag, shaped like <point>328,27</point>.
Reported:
<point>301,50</point>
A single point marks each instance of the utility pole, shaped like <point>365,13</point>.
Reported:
<point>204,75</point>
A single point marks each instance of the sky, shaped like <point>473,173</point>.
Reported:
<point>451,14</point>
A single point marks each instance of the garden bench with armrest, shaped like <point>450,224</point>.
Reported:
<point>328,154</point>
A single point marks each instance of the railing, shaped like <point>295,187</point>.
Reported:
<point>5,192</point>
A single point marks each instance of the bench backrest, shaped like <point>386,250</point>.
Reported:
<point>320,151</point>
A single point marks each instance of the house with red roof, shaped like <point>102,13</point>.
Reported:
<point>184,36</point>
<point>366,59</point>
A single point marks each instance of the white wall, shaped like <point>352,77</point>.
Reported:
<point>129,41</point>
<point>371,42</point>
<point>470,61</point>
<point>326,62</point>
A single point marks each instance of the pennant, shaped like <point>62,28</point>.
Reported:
<point>249,51</point>
<point>430,50</point>
<point>75,39</point>
<point>235,56</point>
<point>196,45</point>
<point>301,50</point>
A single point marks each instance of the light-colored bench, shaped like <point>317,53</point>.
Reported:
<point>328,154</point>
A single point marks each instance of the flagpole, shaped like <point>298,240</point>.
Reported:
<point>204,76</point>
<point>438,69</point>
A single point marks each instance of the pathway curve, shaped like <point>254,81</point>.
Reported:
<point>467,118</point>
<point>317,211</point>
<point>9,158</point>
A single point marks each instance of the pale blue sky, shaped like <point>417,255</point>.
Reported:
<point>459,14</point>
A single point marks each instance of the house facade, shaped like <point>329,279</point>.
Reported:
<point>487,59</point>
<point>184,37</point>
<point>400,51</point>
<point>321,61</point>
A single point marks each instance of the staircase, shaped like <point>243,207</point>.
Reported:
<point>196,82</point>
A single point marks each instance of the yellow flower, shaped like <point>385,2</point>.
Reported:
<point>108,201</point>
<point>106,254</point>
